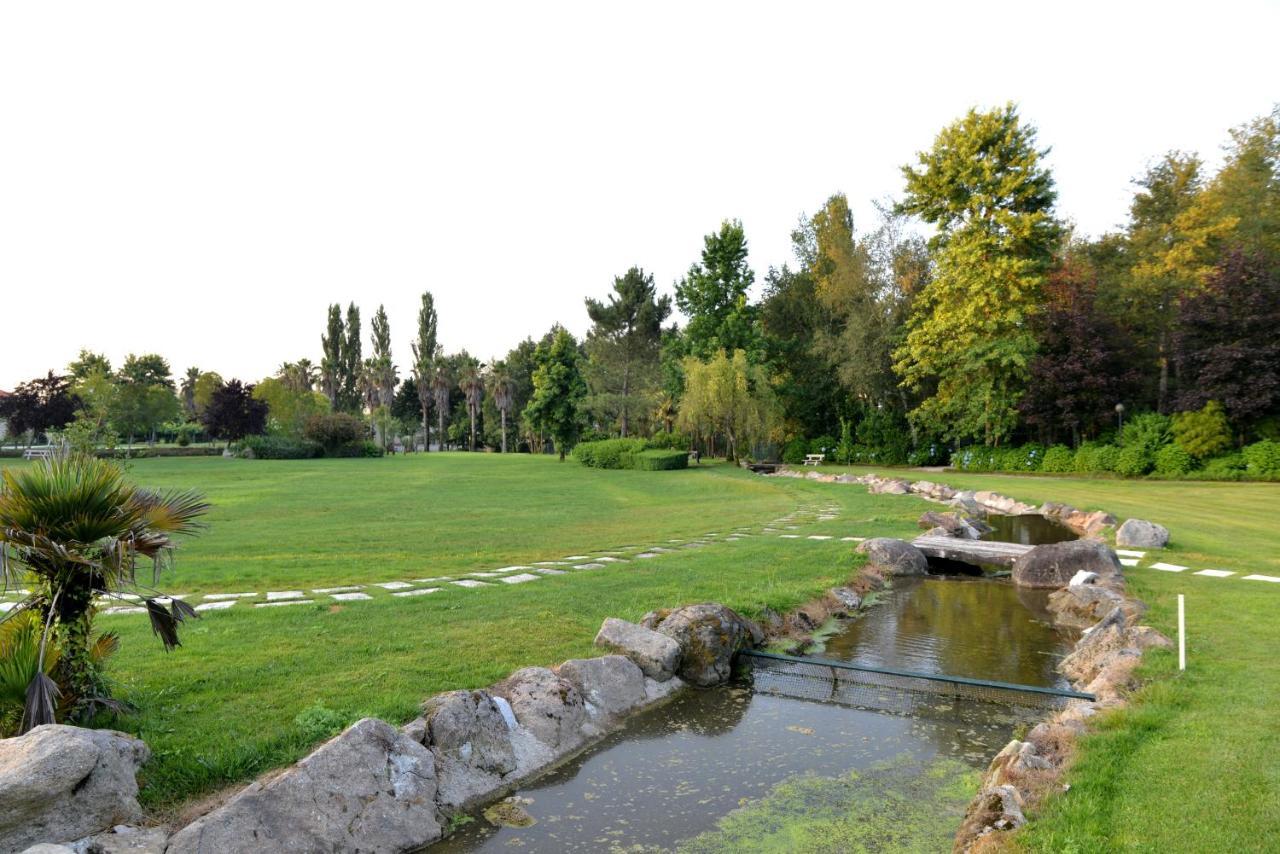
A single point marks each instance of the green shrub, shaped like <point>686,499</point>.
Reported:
<point>280,448</point>
<point>1203,434</point>
<point>1226,467</point>
<point>975,458</point>
<point>672,441</point>
<point>1022,458</point>
<point>1262,459</point>
<point>1133,462</point>
<point>1149,432</point>
<point>932,454</point>
<point>660,459</point>
<point>1095,459</point>
<point>1058,459</point>
<point>608,453</point>
<point>1173,461</point>
<point>795,450</point>
<point>334,430</point>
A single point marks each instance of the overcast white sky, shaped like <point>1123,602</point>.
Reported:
<point>201,180</point>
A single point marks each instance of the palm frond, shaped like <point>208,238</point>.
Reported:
<point>163,624</point>
<point>42,700</point>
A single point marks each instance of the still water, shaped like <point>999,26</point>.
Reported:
<point>677,770</point>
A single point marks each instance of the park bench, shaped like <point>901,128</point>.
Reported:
<point>813,459</point>
<point>37,454</point>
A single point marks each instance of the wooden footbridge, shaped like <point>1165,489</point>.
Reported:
<point>971,551</point>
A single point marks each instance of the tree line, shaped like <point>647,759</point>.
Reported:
<point>968,315</point>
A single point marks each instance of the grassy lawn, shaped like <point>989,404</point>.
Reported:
<point>226,705</point>
<point>1194,763</point>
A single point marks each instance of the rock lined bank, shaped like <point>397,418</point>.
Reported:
<point>1091,524</point>
<point>1102,663</point>
<point>374,787</point>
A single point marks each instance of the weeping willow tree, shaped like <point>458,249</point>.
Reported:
<point>75,531</point>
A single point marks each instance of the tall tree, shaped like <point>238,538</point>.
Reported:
<point>558,391</point>
<point>984,186</point>
<point>1227,346</point>
<point>188,390</point>
<point>146,398</point>
<point>1167,254</point>
<point>1085,364</point>
<point>88,363</point>
<point>352,362</point>
<point>713,295</point>
<point>383,368</point>
<point>424,357</point>
<point>441,384</point>
<point>623,348</point>
<point>233,412</point>
<point>502,390</point>
<point>728,395</point>
<point>333,362</point>
<point>471,384</point>
<point>44,403</point>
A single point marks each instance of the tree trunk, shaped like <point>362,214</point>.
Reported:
<point>473,430</point>
<point>626,387</point>
<point>504,431</point>
<point>1163,388</point>
<point>76,672</point>
<point>440,426</point>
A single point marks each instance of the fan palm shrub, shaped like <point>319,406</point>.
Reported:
<point>73,529</point>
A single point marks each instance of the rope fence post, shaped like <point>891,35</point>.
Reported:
<point>1182,632</point>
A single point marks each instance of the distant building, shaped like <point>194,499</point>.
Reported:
<point>4,424</point>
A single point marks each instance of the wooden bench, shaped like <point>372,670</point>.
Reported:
<point>813,459</point>
<point>37,454</point>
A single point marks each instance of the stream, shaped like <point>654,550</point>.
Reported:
<point>730,769</point>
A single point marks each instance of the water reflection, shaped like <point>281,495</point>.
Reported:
<point>677,769</point>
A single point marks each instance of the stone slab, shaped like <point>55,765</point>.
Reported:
<point>351,597</point>
<point>1168,567</point>
<point>519,579</point>
<point>420,592</point>
<point>1215,573</point>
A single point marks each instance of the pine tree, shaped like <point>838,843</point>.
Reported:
<point>623,348</point>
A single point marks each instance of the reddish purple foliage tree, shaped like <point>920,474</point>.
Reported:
<point>1085,364</point>
<point>1228,341</point>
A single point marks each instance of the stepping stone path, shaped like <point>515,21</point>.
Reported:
<point>604,559</point>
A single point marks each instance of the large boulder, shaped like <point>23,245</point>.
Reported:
<point>470,726</point>
<point>1106,643</point>
<point>1142,534</point>
<point>954,524</point>
<point>654,653</point>
<point>611,685</point>
<point>470,738</point>
<point>124,839</point>
<point>1002,503</point>
<point>889,486</point>
<point>1052,566</point>
<point>894,557</point>
<point>60,783</point>
<point>372,788</point>
<point>709,636</point>
<point>546,705</point>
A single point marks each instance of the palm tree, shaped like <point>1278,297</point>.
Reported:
<point>471,382</point>
<point>78,528</point>
<point>666,412</point>
<point>440,386</point>
<point>503,389</point>
<point>189,391</point>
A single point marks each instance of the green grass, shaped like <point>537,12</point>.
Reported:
<point>225,706</point>
<point>1194,763</point>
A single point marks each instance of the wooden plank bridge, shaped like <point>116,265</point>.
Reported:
<point>971,551</point>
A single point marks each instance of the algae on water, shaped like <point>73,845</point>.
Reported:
<point>900,806</point>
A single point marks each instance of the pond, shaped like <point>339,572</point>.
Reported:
<point>714,770</point>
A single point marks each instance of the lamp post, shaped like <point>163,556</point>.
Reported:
<point>1120,416</point>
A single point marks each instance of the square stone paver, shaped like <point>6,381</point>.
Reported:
<point>218,597</point>
<point>215,606</point>
<point>278,595</point>
<point>467,582</point>
<point>285,602</point>
<point>1215,573</point>
<point>420,592</point>
<point>393,585</point>
<point>1168,567</point>
<point>519,579</point>
<point>351,597</point>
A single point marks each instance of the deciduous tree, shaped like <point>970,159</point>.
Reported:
<point>558,391</point>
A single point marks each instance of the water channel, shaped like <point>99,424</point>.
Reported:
<point>722,769</point>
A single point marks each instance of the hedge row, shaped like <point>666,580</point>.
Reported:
<point>284,448</point>
<point>1259,461</point>
<point>629,454</point>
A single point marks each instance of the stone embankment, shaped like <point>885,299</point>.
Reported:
<point>376,787</point>
<point>1088,594</point>
<point>976,504</point>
